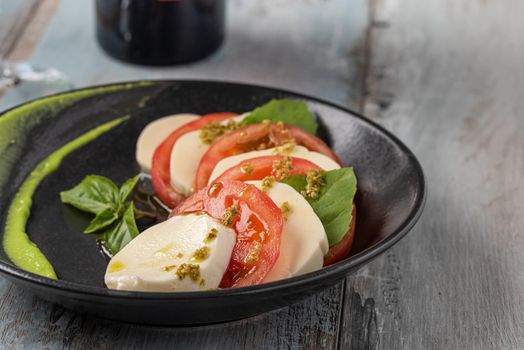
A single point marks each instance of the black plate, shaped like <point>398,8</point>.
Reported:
<point>391,193</point>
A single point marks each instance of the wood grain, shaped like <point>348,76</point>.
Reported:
<point>306,46</point>
<point>446,77</point>
<point>301,45</point>
<point>21,25</point>
<point>27,321</point>
<point>31,31</point>
<point>14,15</point>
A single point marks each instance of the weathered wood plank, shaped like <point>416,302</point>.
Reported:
<point>446,77</point>
<point>305,46</point>
<point>301,45</point>
<point>32,29</point>
<point>14,15</point>
<point>27,321</point>
<point>21,24</point>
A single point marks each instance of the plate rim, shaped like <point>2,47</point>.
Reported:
<point>353,262</point>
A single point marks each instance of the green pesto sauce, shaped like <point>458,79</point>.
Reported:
<point>15,127</point>
<point>16,124</point>
<point>19,248</point>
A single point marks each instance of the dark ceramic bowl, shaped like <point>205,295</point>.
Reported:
<point>391,193</point>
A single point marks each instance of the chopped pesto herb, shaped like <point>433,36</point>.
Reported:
<point>211,235</point>
<point>262,146</point>
<point>200,254</point>
<point>282,167</point>
<point>247,168</point>
<point>254,253</point>
<point>267,183</point>
<point>229,215</point>
<point>281,132</point>
<point>191,270</point>
<point>314,182</point>
<point>202,283</point>
<point>286,210</point>
<point>286,147</point>
<point>211,132</point>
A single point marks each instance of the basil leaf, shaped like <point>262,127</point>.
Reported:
<point>122,231</point>
<point>127,187</point>
<point>294,112</point>
<point>94,195</point>
<point>298,182</point>
<point>102,220</point>
<point>334,204</point>
<point>100,196</point>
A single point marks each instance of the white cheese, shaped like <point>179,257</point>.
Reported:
<point>185,158</point>
<point>304,242</point>
<point>319,159</point>
<point>154,133</point>
<point>154,261</point>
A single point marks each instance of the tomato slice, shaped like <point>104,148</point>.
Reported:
<point>258,224</point>
<point>160,171</point>
<point>263,166</point>
<point>341,250</point>
<point>253,137</point>
<point>260,167</point>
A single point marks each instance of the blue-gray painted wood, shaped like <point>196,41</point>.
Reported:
<point>446,76</point>
<point>301,45</point>
<point>13,15</point>
<point>443,76</point>
<point>30,323</point>
<point>306,46</point>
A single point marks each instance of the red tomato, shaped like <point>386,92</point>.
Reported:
<point>260,167</point>
<point>341,250</point>
<point>263,166</point>
<point>258,225</point>
<point>160,171</point>
<point>253,137</point>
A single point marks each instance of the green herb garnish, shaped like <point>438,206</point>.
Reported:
<point>294,112</point>
<point>334,202</point>
<point>114,219</point>
<point>210,132</point>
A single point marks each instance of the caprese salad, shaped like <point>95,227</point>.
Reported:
<point>253,198</point>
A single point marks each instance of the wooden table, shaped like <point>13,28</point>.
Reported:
<point>445,76</point>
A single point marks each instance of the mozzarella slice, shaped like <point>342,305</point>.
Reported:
<point>185,158</point>
<point>154,133</point>
<point>162,257</point>
<point>304,241</point>
<point>319,159</point>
